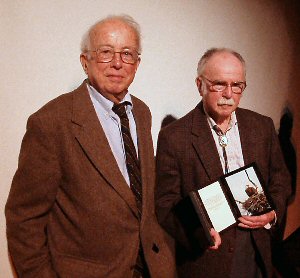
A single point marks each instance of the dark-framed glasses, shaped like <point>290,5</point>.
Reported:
<point>220,86</point>
<point>106,54</point>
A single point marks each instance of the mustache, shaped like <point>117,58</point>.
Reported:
<point>225,101</point>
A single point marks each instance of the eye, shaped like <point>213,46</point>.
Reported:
<point>237,85</point>
<point>105,51</point>
<point>127,53</point>
<point>219,85</point>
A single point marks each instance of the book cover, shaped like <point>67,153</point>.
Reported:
<point>240,192</point>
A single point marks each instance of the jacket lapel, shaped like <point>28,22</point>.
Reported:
<point>145,146</point>
<point>205,145</point>
<point>90,135</point>
<point>247,137</point>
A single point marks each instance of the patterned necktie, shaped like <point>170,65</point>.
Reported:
<point>223,141</point>
<point>132,162</point>
<point>134,172</point>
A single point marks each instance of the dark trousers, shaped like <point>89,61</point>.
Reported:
<point>246,261</point>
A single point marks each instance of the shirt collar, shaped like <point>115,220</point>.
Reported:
<point>212,123</point>
<point>107,104</point>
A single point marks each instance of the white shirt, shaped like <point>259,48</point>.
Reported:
<point>111,125</point>
<point>233,148</point>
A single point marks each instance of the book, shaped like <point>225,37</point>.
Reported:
<point>240,192</point>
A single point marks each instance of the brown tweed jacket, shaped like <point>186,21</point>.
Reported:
<point>187,159</point>
<point>70,212</point>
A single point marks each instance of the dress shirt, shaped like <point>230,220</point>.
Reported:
<point>233,148</point>
<point>111,125</point>
<point>233,151</point>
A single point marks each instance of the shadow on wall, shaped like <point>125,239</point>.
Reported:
<point>288,150</point>
<point>286,253</point>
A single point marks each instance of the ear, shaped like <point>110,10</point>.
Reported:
<point>137,63</point>
<point>198,82</point>
<point>84,63</point>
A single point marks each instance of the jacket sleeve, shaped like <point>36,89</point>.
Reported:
<point>31,197</point>
<point>279,182</point>
<point>171,213</point>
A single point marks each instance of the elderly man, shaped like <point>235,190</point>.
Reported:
<point>190,156</point>
<point>82,200</point>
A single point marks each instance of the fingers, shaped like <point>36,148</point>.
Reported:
<point>217,239</point>
<point>254,222</point>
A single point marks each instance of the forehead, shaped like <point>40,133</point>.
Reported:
<point>115,33</point>
<point>224,63</point>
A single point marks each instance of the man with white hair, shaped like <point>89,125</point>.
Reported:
<point>82,200</point>
<point>213,139</point>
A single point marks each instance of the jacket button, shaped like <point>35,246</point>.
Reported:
<point>230,249</point>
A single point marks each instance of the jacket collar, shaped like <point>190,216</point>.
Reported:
<point>90,135</point>
<point>204,144</point>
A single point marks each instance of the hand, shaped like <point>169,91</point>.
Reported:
<point>217,239</point>
<point>254,222</point>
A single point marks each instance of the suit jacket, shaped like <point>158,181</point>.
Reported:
<point>70,212</point>
<point>187,159</point>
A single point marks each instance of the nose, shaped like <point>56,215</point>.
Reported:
<point>227,92</point>
<point>116,62</point>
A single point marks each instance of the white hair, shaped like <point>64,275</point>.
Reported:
<point>211,52</point>
<point>128,20</point>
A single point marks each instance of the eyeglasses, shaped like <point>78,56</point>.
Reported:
<point>107,54</point>
<point>220,86</point>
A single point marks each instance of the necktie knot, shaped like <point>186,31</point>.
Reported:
<point>120,109</point>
